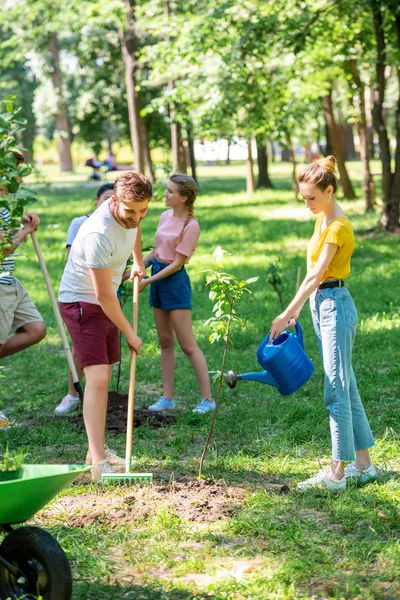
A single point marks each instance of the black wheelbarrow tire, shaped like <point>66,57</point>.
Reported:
<point>41,559</point>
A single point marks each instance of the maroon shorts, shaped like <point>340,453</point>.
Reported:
<point>94,336</point>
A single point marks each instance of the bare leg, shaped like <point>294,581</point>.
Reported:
<point>25,336</point>
<point>95,408</point>
<point>71,388</point>
<point>166,336</point>
<point>363,459</point>
<point>182,323</point>
<point>337,469</point>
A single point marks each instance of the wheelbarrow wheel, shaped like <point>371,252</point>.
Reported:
<point>41,560</point>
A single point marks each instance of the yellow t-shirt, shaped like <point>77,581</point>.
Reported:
<point>340,232</point>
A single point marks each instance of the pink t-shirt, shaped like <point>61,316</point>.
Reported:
<point>168,230</point>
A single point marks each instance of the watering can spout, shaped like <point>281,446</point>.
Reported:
<point>262,377</point>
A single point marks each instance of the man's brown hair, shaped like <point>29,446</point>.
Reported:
<point>133,187</point>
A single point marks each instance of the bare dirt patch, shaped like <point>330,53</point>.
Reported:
<point>117,414</point>
<point>198,501</point>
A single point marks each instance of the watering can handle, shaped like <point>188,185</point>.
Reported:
<point>261,347</point>
<point>299,334</point>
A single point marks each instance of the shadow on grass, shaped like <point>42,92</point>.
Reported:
<point>97,591</point>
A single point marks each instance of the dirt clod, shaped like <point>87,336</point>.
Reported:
<point>117,413</point>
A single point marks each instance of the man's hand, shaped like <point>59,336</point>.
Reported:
<point>30,222</point>
<point>138,269</point>
<point>134,343</point>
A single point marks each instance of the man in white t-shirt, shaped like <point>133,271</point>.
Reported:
<point>89,303</point>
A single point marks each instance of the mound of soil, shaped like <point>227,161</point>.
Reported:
<point>117,414</point>
<point>193,500</point>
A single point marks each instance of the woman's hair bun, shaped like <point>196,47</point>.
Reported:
<point>328,163</point>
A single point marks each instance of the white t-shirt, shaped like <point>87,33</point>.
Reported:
<point>74,227</point>
<point>100,243</point>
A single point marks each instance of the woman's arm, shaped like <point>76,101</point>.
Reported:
<point>309,284</point>
<point>150,256</point>
<point>177,263</point>
<point>138,268</point>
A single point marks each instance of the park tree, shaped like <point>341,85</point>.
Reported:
<point>18,80</point>
<point>42,26</point>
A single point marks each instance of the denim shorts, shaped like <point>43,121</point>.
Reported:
<point>171,293</point>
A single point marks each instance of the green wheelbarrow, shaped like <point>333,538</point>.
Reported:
<point>32,563</point>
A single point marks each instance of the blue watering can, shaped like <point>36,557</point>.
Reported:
<point>287,366</point>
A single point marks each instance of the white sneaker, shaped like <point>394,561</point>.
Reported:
<point>323,479</point>
<point>205,406</point>
<point>162,404</point>
<point>102,467</point>
<point>363,475</point>
<point>68,404</point>
<point>4,422</point>
<point>111,457</point>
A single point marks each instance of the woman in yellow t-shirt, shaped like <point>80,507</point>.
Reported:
<point>334,317</point>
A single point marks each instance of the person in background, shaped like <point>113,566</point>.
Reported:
<point>71,401</point>
<point>17,311</point>
<point>170,290</point>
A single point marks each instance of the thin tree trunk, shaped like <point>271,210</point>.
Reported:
<point>365,151</point>
<point>378,118</point>
<point>192,158</point>
<point>335,141</point>
<point>128,39</point>
<point>178,154</point>
<point>295,185</point>
<point>262,159</point>
<point>395,191</point>
<point>250,184</point>
<point>149,171</point>
<point>273,157</point>
<point>61,117</point>
<point>228,153</point>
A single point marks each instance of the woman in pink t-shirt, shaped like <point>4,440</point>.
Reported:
<point>170,291</point>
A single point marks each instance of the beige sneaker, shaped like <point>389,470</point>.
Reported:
<point>322,480</point>
<point>101,468</point>
<point>112,457</point>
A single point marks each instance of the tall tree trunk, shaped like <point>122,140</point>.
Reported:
<point>295,185</point>
<point>178,153</point>
<point>61,117</point>
<point>335,141</point>
<point>285,155</point>
<point>365,151</point>
<point>262,159</point>
<point>273,157</point>
<point>346,134</point>
<point>395,191</point>
<point>128,39</point>
<point>388,218</point>
<point>192,158</point>
<point>250,184</point>
<point>148,163</point>
<point>228,153</point>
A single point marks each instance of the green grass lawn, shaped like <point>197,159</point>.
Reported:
<point>270,545</point>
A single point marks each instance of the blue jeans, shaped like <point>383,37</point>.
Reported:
<point>335,318</point>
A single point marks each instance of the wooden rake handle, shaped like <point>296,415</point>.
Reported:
<point>132,377</point>
<point>57,314</point>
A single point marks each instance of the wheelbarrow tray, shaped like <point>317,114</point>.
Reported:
<point>21,498</point>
